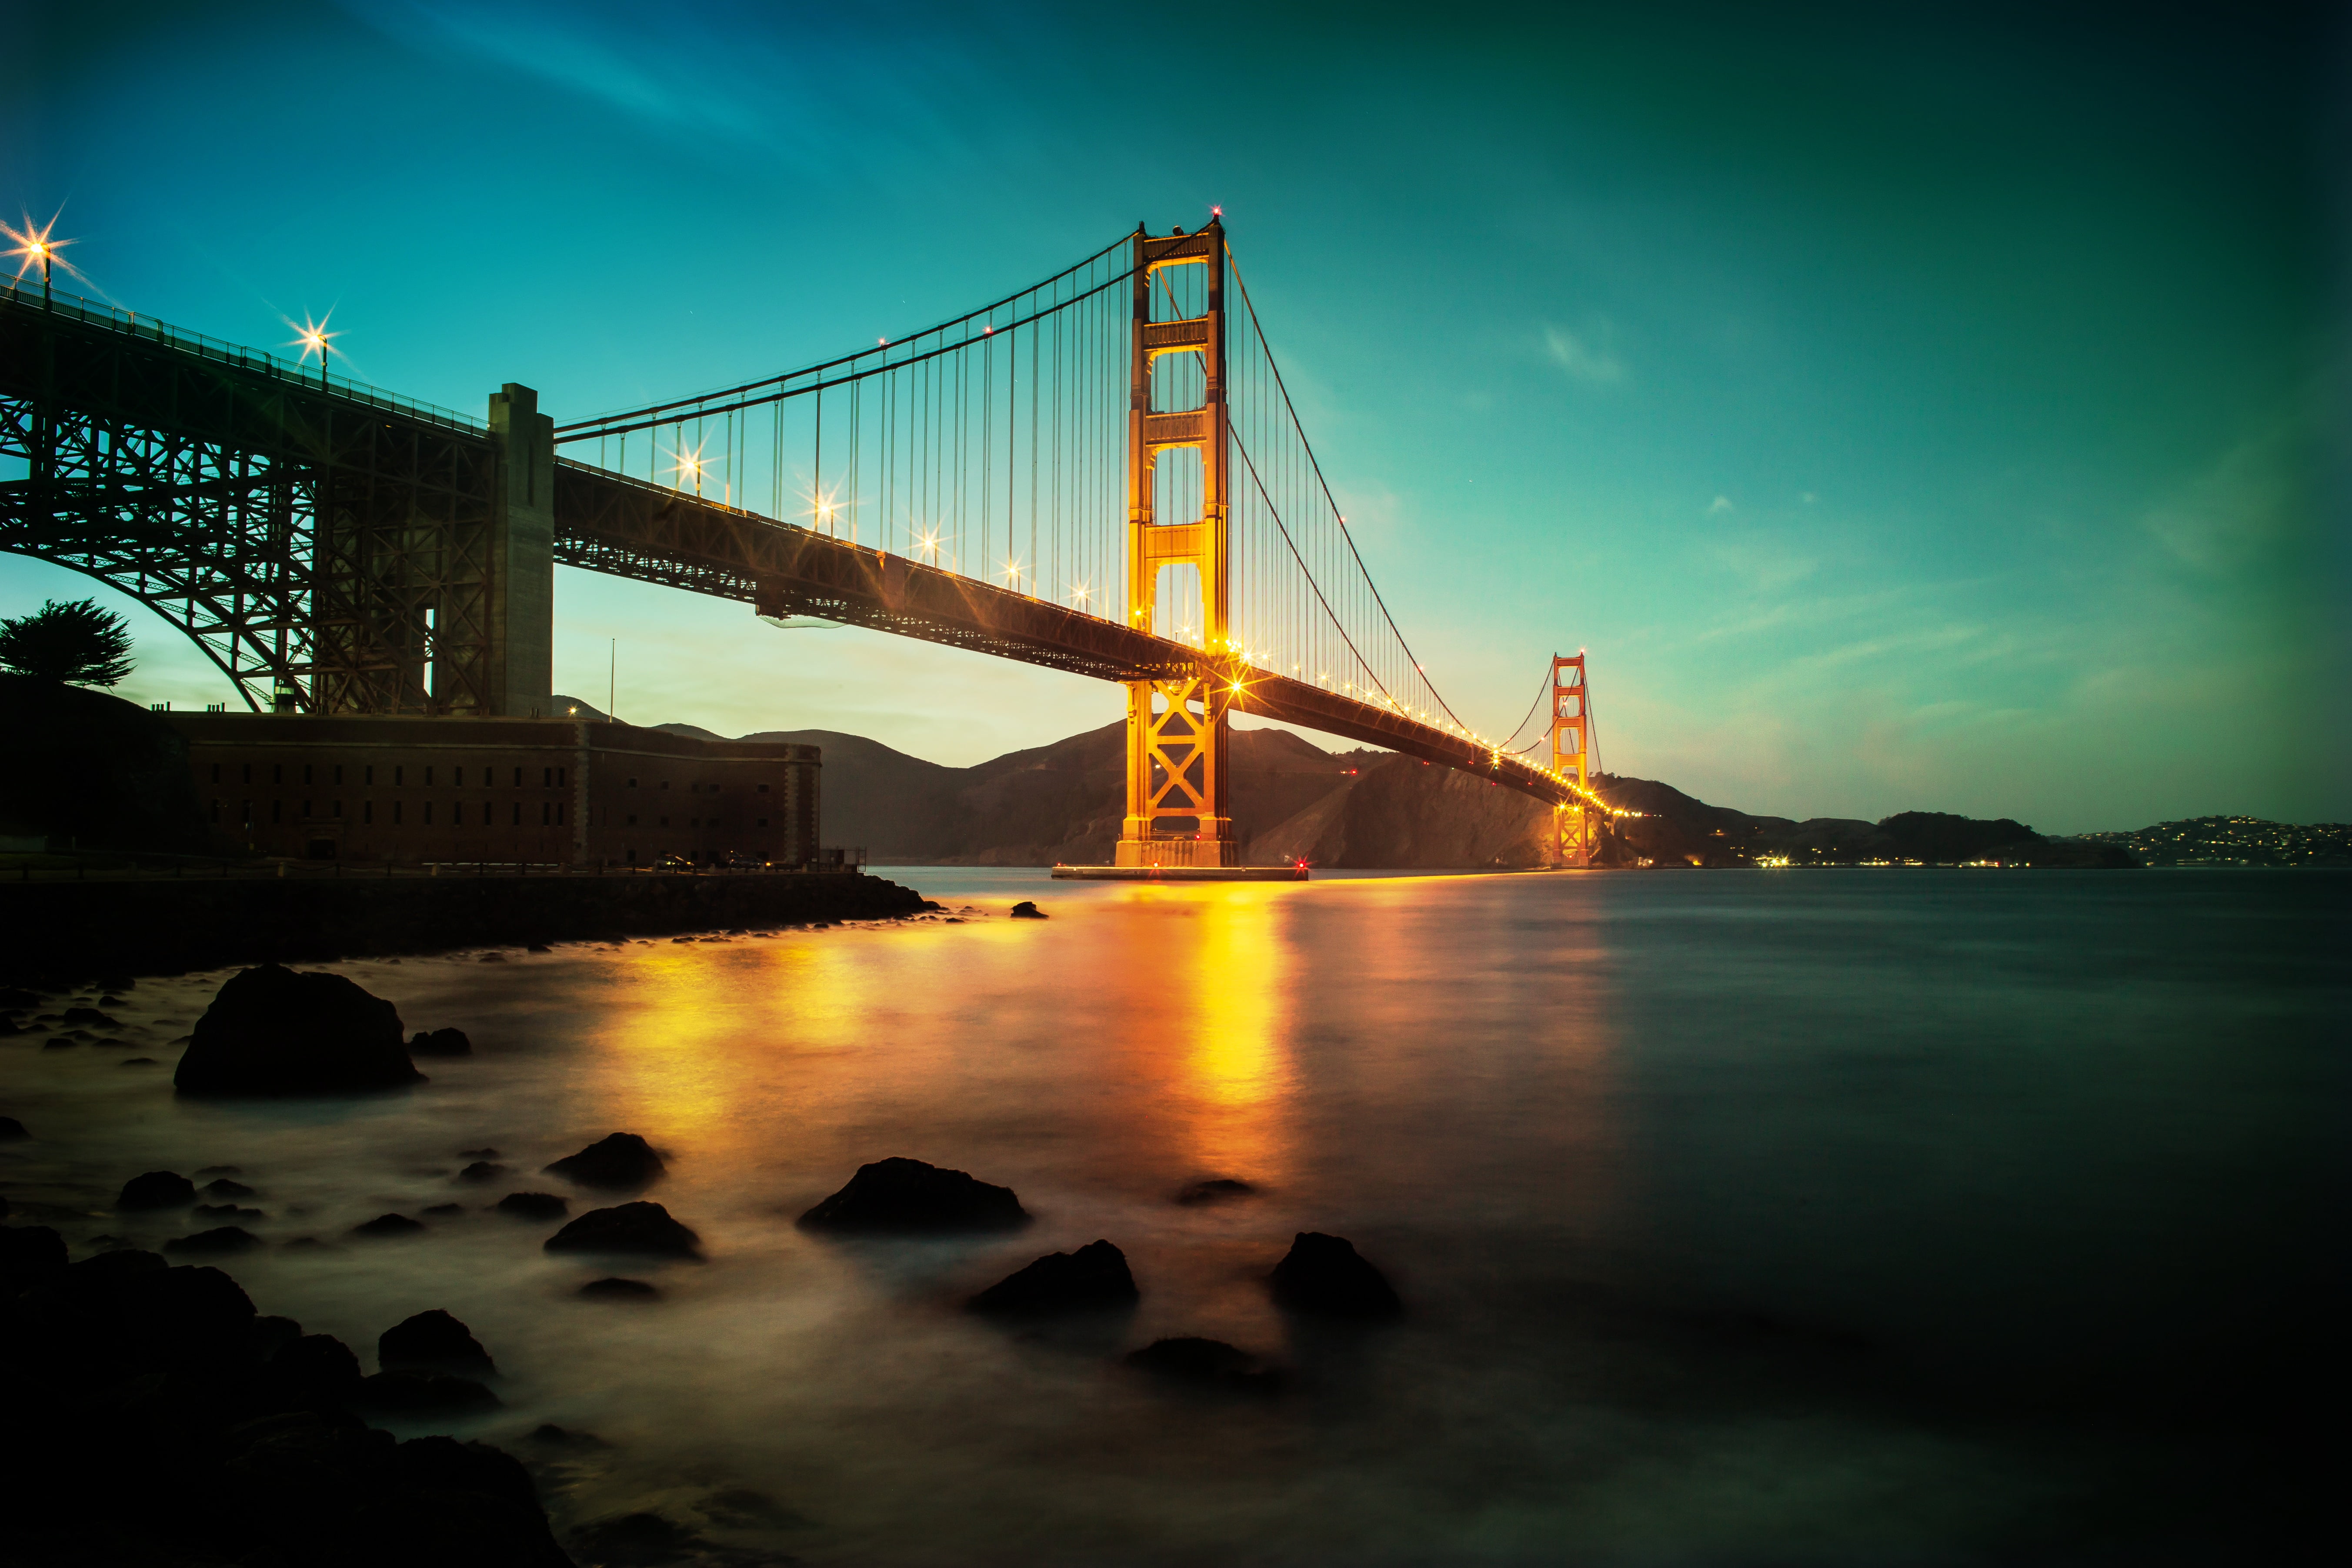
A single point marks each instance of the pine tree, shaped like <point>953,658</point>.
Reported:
<point>75,643</point>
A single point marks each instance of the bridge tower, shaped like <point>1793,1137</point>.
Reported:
<point>1571,752</point>
<point>1176,727</point>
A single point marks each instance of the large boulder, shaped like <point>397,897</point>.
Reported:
<point>316,1370</point>
<point>1093,1277</point>
<point>909,1197</point>
<point>440,1043</point>
<point>157,1190</point>
<point>638,1227</point>
<point>174,1319</point>
<point>433,1342</point>
<point>422,1393</point>
<point>12,1130</point>
<point>272,1031</point>
<point>1323,1274</point>
<point>30,1251</point>
<point>1206,1364</point>
<point>623,1162</point>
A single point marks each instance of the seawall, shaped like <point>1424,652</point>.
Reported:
<point>65,933</point>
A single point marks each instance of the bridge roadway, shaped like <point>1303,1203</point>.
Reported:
<point>630,528</point>
<point>146,448</point>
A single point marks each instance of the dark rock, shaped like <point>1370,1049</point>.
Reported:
<point>538,947</point>
<point>1323,1274</point>
<point>111,1000</point>
<point>1206,1364</point>
<point>60,1045</point>
<point>316,1369</point>
<point>11,1130</point>
<point>477,1153</point>
<point>1215,1190</point>
<point>440,1043</point>
<point>222,1188</point>
<point>15,998</point>
<point>137,1062</point>
<point>271,1334</point>
<point>90,1019</point>
<point>615,1289</point>
<point>218,1243</point>
<point>482,1171</point>
<point>3,1208</point>
<point>423,1394</point>
<point>623,1162</point>
<point>442,1211</point>
<point>29,1250</point>
<point>389,1224</point>
<point>548,1432</point>
<point>1025,911</point>
<point>107,1242</point>
<point>433,1342</point>
<point>181,1317</point>
<point>222,1171</point>
<point>534,1205</point>
<point>640,1227</point>
<point>1091,1278</point>
<point>310,1244</point>
<point>908,1197</point>
<point>156,1190</point>
<point>225,1211</point>
<point>273,1031</point>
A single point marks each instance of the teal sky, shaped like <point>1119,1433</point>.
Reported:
<point>1908,411</point>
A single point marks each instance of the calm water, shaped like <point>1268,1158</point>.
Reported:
<point>1798,1217</point>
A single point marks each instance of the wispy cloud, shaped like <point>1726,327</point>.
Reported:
<point>1719,504</point>
<point>1583,360</point>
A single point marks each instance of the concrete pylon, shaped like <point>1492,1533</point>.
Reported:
<point>521,609</point>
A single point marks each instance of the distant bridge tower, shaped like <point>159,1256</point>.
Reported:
<point>1571,753</point>
<point>1176,724</point>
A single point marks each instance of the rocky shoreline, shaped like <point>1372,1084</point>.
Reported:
<point>66,934</point>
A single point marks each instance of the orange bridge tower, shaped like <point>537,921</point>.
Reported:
<point>1177,813</point>
<point>1571,753</point>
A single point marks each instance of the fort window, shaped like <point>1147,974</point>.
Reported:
<point>632,820</point>
<point>397,775</point>
<point>428,814</point>
<point>518,813</point>
<point>339,773</point>
<point>546,776</point>
<point>367,773</point>
<point>249,774</point>
<point>559,778</point>
<point>306,778</point>
<point>632,784</point>
<point>559,813</point>
<point>309,810</point>
<point>457,777</point>
<point>339,811</point>
<point>545,813</point>
<point>664,822</point>
<point>216,773</point>
<point>763,789</point>
<point>428,776</point>
<point>248,813</point>
<point>278,772</point>
<point>395,814</point>
<point>216,805</point>
<point>665,783</point>
<point>277,811</point>
<point>367,811</point>
<point>517,778</point>
<point>764,821</point>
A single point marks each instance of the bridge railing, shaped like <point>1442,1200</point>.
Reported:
<point>27,293</point>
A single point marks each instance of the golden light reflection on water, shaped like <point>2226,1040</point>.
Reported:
<point>1229,1036</point>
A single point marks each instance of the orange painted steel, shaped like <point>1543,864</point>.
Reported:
<point>1571,752</point>
<point>612,524</point>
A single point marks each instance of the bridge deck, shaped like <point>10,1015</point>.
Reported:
<point>609,522</point>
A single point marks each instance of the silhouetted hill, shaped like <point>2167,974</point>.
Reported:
<point>1372,810</point>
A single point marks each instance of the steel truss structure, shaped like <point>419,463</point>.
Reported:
<point>328,552</point>
<point>334,550</point>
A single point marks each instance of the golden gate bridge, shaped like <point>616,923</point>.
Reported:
<point>1102,473</point>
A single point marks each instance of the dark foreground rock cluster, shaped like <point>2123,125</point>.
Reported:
<point>153,1417</point>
